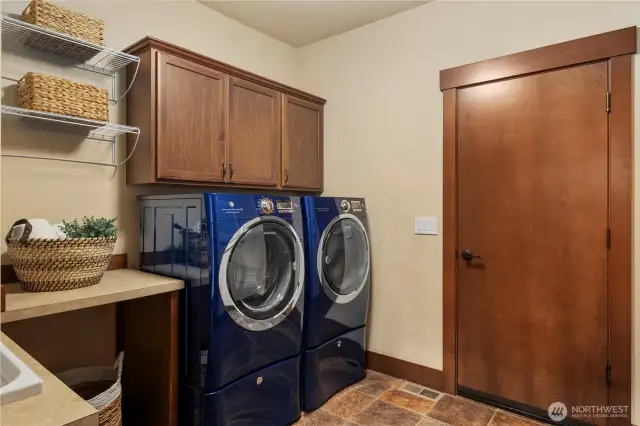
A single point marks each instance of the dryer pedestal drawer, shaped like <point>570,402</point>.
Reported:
<point>332,367</point>
<point>268,397</point>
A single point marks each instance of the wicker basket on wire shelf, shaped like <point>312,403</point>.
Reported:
<point>61,96</point>
<point>49,15</point>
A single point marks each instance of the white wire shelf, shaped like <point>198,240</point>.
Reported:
<point>25,119</point>
<point>61,48</point>
<point>58,123</point>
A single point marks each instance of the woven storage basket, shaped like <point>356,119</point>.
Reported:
<point>57,18</point>
<point>58,263</point>
<point>101,387</point>
<point>51,94</point>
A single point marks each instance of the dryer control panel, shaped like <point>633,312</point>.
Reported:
<point>348,206</point>
<point>357,206</point>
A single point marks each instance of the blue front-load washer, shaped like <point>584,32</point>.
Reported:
<point>337,297</point>
<point>242,260</point>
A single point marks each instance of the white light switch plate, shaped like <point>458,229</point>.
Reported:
<point>426,225</point>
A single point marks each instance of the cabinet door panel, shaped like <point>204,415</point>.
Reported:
<point>190,138</point>
<point>254,133</point>
<point>301,144</point>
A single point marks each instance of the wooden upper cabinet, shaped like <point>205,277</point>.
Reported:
<point>205,122</point>
<point>254,133</point>
<point>190,135</point>
<point>301,144</point>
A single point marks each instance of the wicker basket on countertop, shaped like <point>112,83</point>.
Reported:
<point>53,264</point>
<point>51,94</point>
<point>57,18</point>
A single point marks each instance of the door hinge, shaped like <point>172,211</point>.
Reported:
<point>608,374</point>
<point>608,101</point>
<point>609,238</point>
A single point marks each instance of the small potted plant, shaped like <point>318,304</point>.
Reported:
<point>77,260</point>
<point>91,227</point>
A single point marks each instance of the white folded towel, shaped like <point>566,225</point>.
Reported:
<point>40,228</point>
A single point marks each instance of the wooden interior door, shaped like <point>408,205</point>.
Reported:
<point>190,129</point>
<point>532,210</point>
<point>254,133</point>
<point>301,144</point>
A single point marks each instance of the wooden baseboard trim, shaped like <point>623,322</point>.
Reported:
<point>8,275</point>
<point>420,374</point>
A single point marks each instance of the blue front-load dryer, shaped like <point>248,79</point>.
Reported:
<point>337,296</point>
<point>242,260</point>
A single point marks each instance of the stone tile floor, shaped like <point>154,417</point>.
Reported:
<point>379,400</point>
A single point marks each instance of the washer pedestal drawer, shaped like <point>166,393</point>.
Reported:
<point>268,397</point>
<point>332,367</point>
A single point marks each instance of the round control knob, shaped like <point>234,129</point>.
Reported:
<point>266,206</point>
<point>345,206</point>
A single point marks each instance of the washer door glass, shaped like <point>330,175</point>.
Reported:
<point>261,275</point>
<point>345,257</point>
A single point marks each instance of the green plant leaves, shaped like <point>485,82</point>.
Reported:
<point>91,227</point>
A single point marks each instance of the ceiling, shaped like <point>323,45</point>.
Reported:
<point>301,22</point>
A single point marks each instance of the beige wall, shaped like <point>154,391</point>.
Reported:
<point>56,190</point>
<point>383,129</point>
<point>383,137</point>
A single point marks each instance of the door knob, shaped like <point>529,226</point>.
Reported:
<point>468,255</point>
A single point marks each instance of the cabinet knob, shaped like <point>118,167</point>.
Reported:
<point>224,170</point>
<point>230,171</point>
<point>286,175</point>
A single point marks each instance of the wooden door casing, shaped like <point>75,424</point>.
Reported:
<point>254,133</point>
<point>302,156</point>
<point>532,199</point>
<point>190,121</point>
<point>620,225</point>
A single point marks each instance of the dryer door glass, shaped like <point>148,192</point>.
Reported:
<point>345,257</point>
<point>261,274</point>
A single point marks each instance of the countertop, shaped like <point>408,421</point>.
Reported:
<point>57,405</point>
<point>115,286</point>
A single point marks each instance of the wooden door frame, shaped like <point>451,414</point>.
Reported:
<point>617,48</point>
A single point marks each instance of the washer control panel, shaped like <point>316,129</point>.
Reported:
<point>266,205</point>
<point>285,206</point>
<point>277,205</point>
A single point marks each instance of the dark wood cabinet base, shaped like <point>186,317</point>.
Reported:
<point>148,335</point>
<point>146,329</point>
